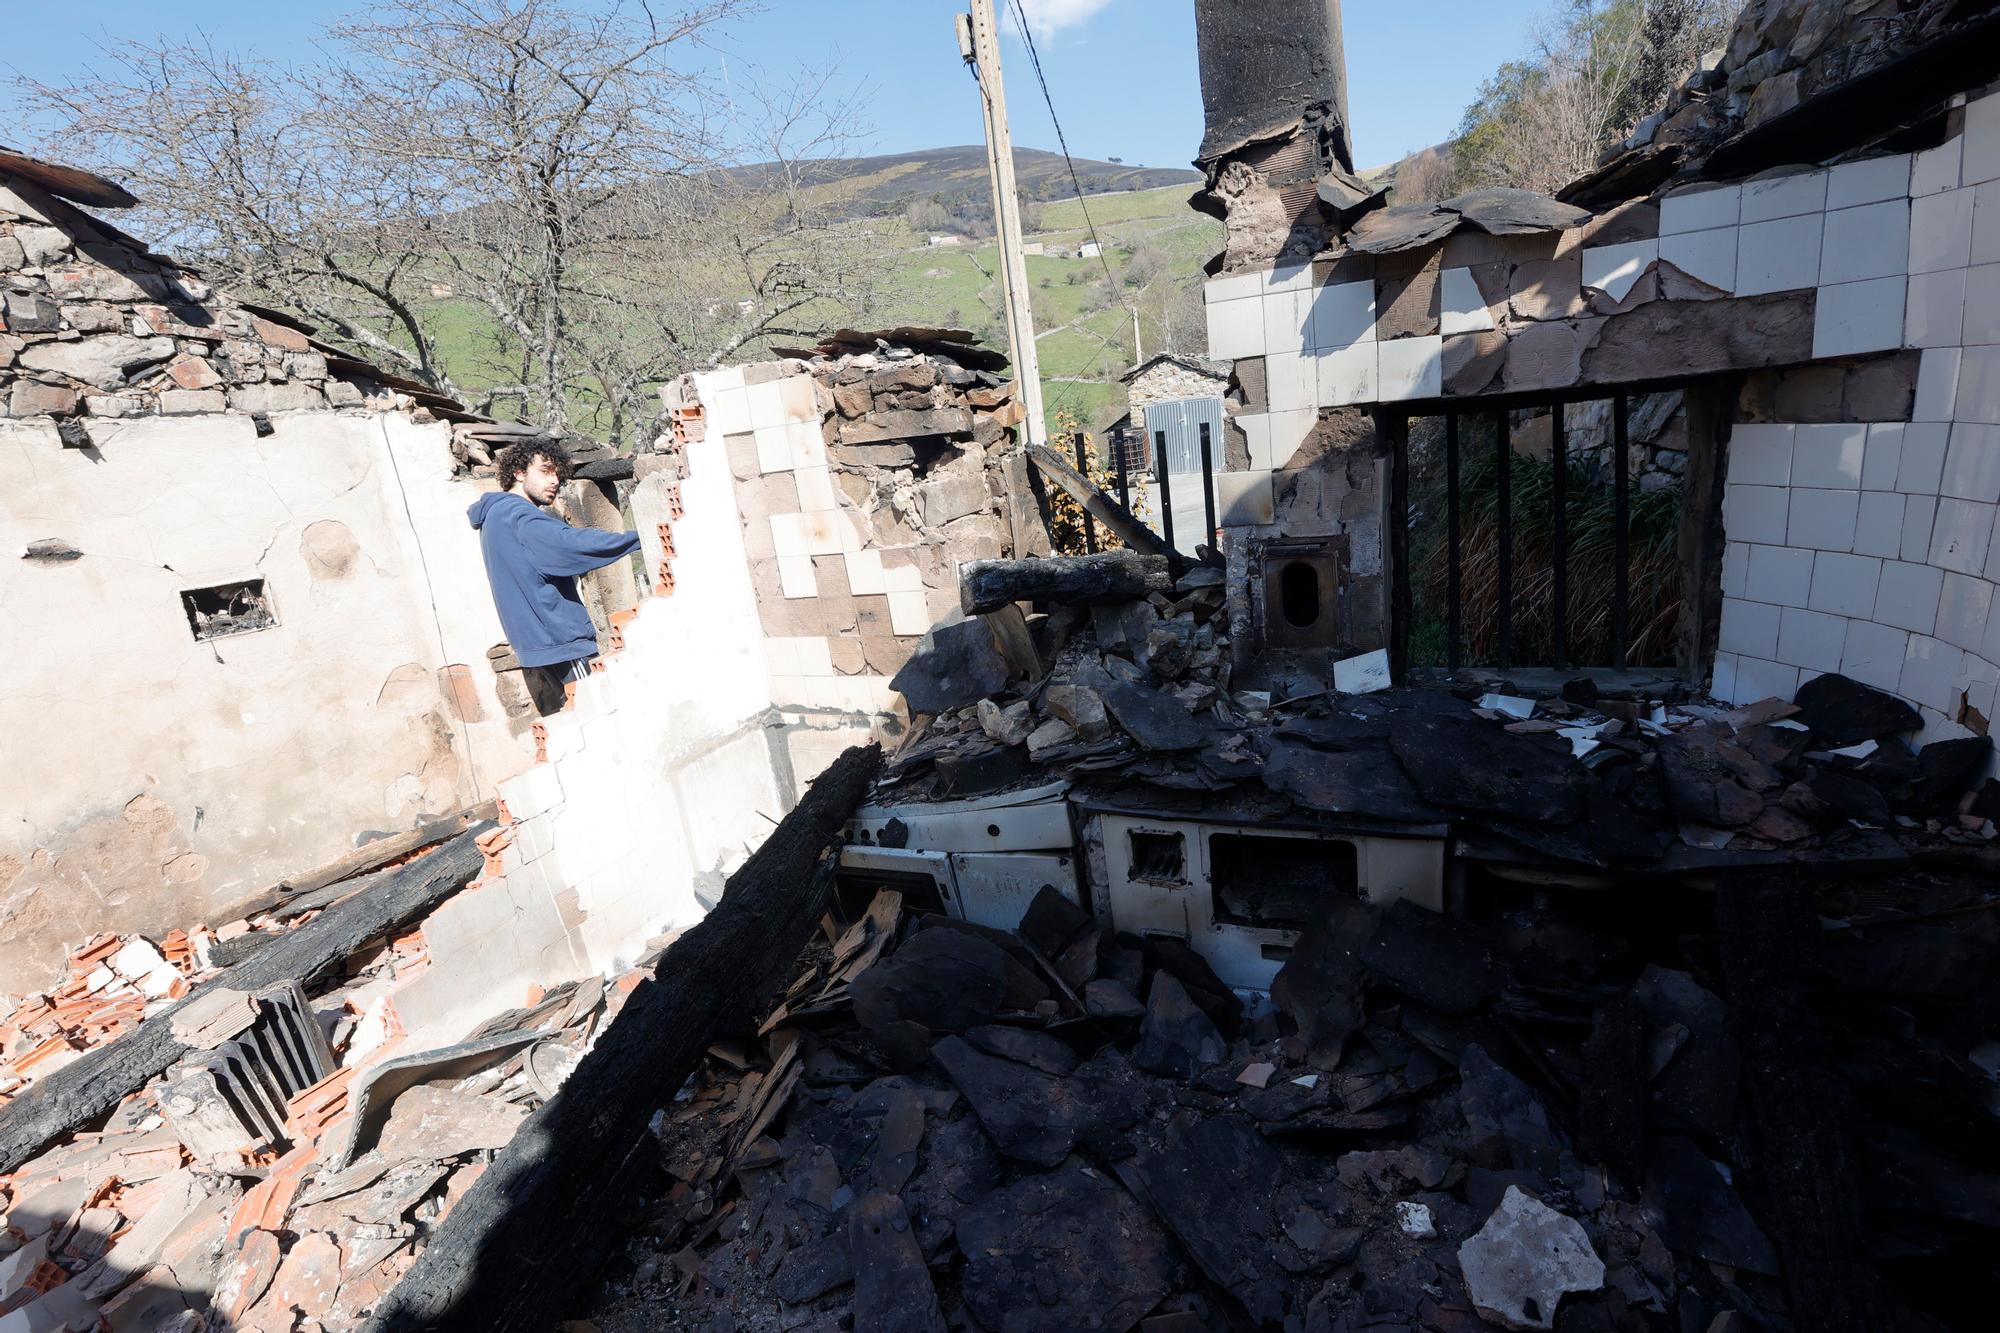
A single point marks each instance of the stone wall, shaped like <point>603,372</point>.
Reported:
<point>158,437</point>
<point>1781,54</point>
<point>96,327</point>
<point>862,480</point>
<point>1170,379</point>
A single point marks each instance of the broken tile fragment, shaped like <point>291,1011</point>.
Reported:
<point>1524,1260</point>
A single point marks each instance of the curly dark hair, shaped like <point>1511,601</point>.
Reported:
<point>512,461</point>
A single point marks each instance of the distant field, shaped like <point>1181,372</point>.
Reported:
<point>1084,324</point>
<point>1167,201</point>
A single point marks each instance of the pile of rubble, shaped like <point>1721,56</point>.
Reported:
<point>285,1170</point>
<point>112,983</point>
<point>1138,692</point>
<point>909,417</point>
<point>1540,1121</point>
<point>1159,668</point>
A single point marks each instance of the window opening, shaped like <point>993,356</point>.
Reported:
<point>1278,883</point>
<point>228,608</point>
<point>1159,857</point>
<point>1298,594</point>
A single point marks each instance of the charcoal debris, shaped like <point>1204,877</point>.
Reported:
<point>1176,1040</point>
<point>1845,711</point>
<point>1083,1252</point>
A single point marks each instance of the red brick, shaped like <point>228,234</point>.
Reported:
<point>191,372</point>
<point>279,336</point>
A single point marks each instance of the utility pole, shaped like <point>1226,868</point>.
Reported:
<point>979,43</point>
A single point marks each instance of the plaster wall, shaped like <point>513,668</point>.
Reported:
<point>668,770</point>
<point>153,780</point>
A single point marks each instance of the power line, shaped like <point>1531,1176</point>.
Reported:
<point>1035,59</point>
<point>1062,142</point>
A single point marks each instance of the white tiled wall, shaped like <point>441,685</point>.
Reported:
<point>1880,563</point>
<point>1850,233</point>
<point>1868,550</point>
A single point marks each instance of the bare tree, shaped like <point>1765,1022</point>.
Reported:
<point>1596,69</point>
<point>235,171</point>
<point>1424,177</point>
<point>563,169</point>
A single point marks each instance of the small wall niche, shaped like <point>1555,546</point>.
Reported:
<point>1279,883</point>
<point>224,609</point>
<point>1160,858</point>
<point>1301,583</point>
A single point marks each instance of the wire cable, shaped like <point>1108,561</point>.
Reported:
<point>430,586</point>
<point>1062,142</point>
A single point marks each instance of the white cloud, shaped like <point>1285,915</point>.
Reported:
<point>1049,17</point>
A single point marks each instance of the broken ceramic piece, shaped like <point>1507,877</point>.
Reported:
<point>1525,1260</point>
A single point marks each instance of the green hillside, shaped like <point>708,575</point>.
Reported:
<point>1154,247</point>
<point>875,186</point>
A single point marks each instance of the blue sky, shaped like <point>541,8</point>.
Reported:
<point>1122,72</point>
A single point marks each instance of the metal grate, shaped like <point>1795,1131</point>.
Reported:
<point>234,1096</point>
<point>1553,595</point>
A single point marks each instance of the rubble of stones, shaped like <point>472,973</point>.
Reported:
<point>95,326</point>
<point>1536,1121</point>
<point>1138,695</point>
<point>174,1216</point>
<point>914,430</point>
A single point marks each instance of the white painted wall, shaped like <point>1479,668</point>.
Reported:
<point>1871,550</point>
<point>151,779</point>
<point>660,781</point>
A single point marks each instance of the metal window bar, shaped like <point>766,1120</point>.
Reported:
<point>1621,536</point>
<point>1504,626</point>
<point>1124,477</point>
<point>1395,430</point>
<point>1454,607</point>
<point>1559,535</point>
<point>1083,466</point>
<point>1207,484</point>
<point>1504,557</point>
<point>1166,493</point>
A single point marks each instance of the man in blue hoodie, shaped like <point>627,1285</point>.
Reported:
<point>533,558</point>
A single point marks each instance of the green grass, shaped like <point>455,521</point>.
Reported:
<point>1655,586</point>
<point>1133,205</point>
<point>1096,405</point>
<point>948,285</point>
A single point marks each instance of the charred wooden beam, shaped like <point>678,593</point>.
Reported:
<point>97,1081</point>
<point>617,467</point>
<point>1136,535</point>
<point>293,891</point>
<point>537,1225</point>
<point>1068,580</point>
